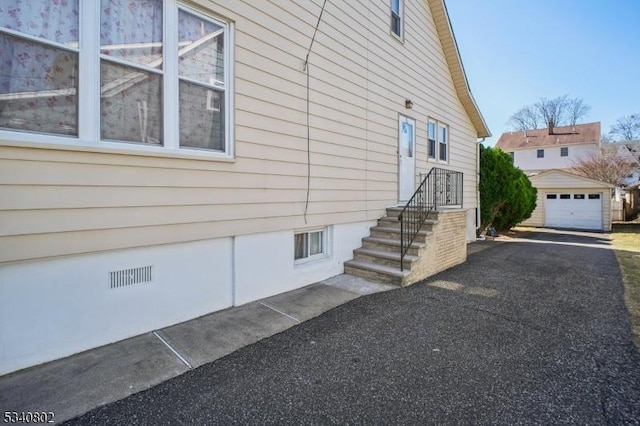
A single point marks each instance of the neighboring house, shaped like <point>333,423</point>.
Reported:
<point>534,151</point>
<point>194,161</point>
<point>566,200</point>
<point>629,150</point>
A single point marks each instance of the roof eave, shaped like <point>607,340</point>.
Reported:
<point>456,68</point>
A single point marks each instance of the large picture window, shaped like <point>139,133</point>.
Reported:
<point>159,79</point>
<point>39,66</point>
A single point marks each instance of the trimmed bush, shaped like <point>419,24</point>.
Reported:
<point>506,194</point>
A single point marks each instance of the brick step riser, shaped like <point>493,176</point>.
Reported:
<point>372,275</point>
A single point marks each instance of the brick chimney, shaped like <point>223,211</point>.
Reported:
<point>550,127</point>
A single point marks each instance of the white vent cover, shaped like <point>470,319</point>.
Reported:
<point>127,277</point>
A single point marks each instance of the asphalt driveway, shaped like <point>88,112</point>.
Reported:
<point>531,330</point>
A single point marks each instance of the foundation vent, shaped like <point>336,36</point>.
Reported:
<point>127,277</point>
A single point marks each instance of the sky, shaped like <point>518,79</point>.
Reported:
<point>514,52</point>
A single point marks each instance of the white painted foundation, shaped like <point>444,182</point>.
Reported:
<point>54,308</point>
<point>265,267</point>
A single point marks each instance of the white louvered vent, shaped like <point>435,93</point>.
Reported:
<point>127,277</point>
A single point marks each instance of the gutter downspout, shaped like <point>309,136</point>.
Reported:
<point>478,218</point>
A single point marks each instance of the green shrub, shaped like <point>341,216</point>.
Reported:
<point>506,194</point>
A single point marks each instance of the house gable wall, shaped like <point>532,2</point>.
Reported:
<point>64,200</point>
<point>527,159</point>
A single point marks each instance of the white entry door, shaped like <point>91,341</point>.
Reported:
<point>406,158</point>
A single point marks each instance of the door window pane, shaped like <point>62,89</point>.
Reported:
<point>132,31</point>
<point>130,104</point>
<point>38,87</point>
<point>407,140</point>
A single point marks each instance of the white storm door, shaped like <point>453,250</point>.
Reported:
<point>406,158</point>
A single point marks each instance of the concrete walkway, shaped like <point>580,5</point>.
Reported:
<point>72,386</point>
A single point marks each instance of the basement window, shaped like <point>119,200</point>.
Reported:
<point>309,245</point>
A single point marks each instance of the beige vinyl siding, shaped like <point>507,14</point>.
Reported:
<point>63,201</point>
<point>564,180</point>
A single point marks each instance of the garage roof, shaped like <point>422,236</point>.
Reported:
<point>556,178</point>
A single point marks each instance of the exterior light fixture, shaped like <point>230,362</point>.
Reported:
<point>408,104</point>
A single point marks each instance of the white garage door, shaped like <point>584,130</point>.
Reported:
<point>576,210</point>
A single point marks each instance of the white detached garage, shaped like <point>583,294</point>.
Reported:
<point>566,200</point>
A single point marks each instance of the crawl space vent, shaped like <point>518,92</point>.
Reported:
<point>127,277</point>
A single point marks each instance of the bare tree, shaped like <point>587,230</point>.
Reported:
<point>605,138</point>
<point>525,118</point>
<point>606,165</point>
<point>627,127</point>
<point>553,110</point>
<point>559,111</point>
<point>576,109</point>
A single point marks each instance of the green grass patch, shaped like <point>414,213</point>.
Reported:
<point>626,242</point>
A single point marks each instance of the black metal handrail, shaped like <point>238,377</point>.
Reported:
<point>439,187</point>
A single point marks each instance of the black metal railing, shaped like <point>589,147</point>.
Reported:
<point>439,187</point>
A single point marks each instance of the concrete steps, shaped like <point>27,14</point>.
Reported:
<point>379,257</point>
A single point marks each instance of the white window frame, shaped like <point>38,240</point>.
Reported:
<point>400,16</point>
<point>89,99</point>
<point>436,156</point>
<point>324,254</point>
